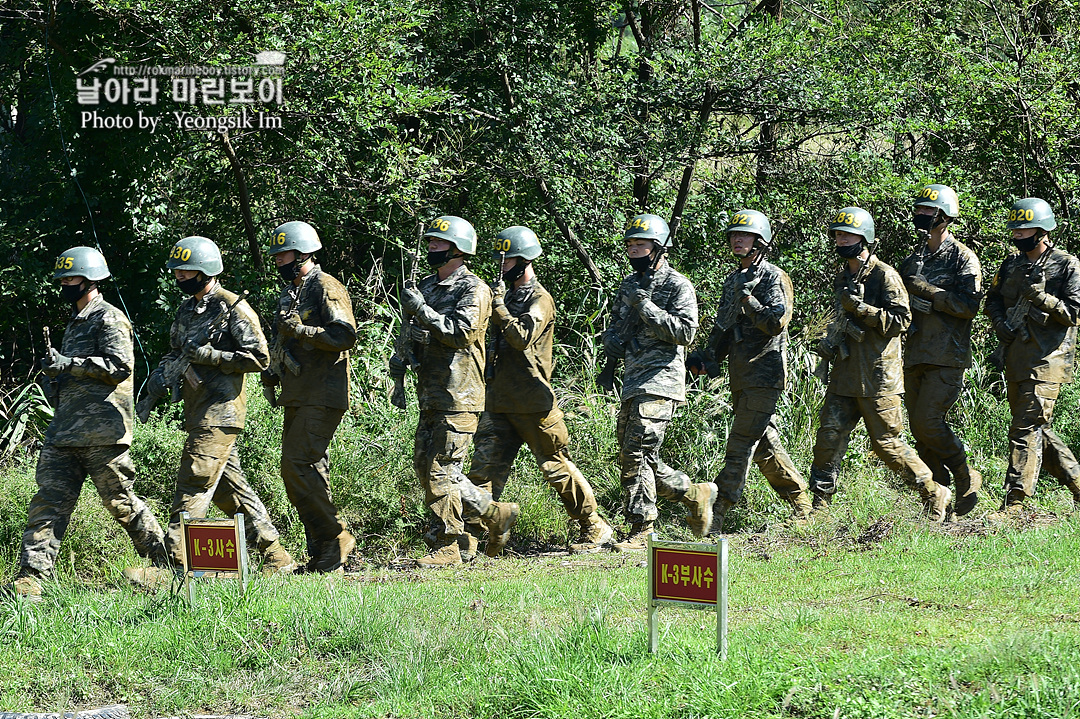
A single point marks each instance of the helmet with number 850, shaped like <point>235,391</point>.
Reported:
<point>458,232</point>
<point>517,241</point>
<point>1031,212</point>
<point>648,227</point>
<point>297,236</point>
<point>753,222</point>
<point>196,253</point>
<point>81,262</point>
<point>855,220</point>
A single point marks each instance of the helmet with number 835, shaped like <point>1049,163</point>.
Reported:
<point>517,241</point>
<point>753,222</point>
<point>196,253</point>
<point>940,196</point>
<point>458,232</point>
<point>648,227</point>
<point>855,220</point>
<point>1031,212</point>
<point>81,262</point>
<point>297,236</point>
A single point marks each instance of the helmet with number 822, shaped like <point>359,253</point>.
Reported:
<point>196,253</point>
<point>940,196</point>
<point>648,227</point>
<point>81,262</point>
<point>517,241</point>
<point>1031,212</point>
<point>753,222</point>
<point>297,236</point>
<point>458,232</point>
<point>855,220</point>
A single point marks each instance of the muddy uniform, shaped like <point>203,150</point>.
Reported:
<point>652,339</point>
<point>1037,364</point>
<point>938,349</point>
<point>89,435</point>
<point>868,385</point>
<point>450,391</point>
<point>315,400</point>
<point>756,349</point>
<point>521,406</point>
<point>214,414</point>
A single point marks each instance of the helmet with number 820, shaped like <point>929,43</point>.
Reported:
<point>648,227</point>
<point>196,253</point>
<point>458,232</point>
<point>753,222</point>
<point>81,262</point>
<point>297,236</point>
<point>1031,212</point>
<point>855,220</point>
<point>517,241</point>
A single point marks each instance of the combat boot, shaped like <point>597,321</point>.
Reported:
<point>469,542</point>
<point>698,501</point>
<point>637,539</point>
<point>595,534</point>
<point>1011,508</point>
<point>968,484</point>
<point>499,518</point>
<point>335,553</point>
<point>801,508</point>
<point>150,578</point>
<point>445,553</point>
<point>276,560</point>
<point>936,503</point>
<point>26,586</point>
<point>719,512</point>
<point>821,502</point>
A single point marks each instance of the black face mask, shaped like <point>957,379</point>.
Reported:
<point>193,285</point>
<point>74,293</point>
<point>515,273</point>
<point>641,264</point>
<point>289,271</point>
<point>1027,244</point>
<point>438,259</point>
<point>925,222</point>
<point>849,252</point>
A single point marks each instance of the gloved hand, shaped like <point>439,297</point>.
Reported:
<point>1035,294</point>
<point>636,297</point>
<point>419,334</point>
<point>397,368</point>
<point>1003,332</point>
<point>268,378</point>
<point>292,326</point>
<point>202,354</point>
<point>849,302</point>
<point>411,300</point>
<point>56,363</point>
<point>613,346</point>
<point>824,350</point>
<point>498,287</point>
<point>752,303</point>
<point>694,365</point>
<point>270,394</point>
<point>921,287</point>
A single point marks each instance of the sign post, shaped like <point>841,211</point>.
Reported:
<point>688,574</point>
<point>214,547</point>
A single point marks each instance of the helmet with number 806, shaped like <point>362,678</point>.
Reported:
<point>1031,212</point>
<point>648,227</point>
<point>855,220</point>
<point>196,253</point>
<point>517,241</point>
<point>297,236</point>
<point>458,232</point>
<point>940,196</point>
<point>753,222</point>
<point>81,262</point>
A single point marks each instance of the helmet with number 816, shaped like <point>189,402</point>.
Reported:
<point>648,227</point>
<point>517,241</point>
<point>1031,212</point>
<point>940,196</point>
<point>753,222</point>
<point>81,262</point>
<point>297,236</point>
<point>855,220</point>
<point>458,232</point>
<point>196,253</point>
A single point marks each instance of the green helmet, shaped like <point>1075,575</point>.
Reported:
<point>648,227</point>
<point>940,196</point>
<point>81,262</point>
<point>1031,212</point>
<point>298,236</point>
<point>855,220</point>
<point>517,241</point>
<point>456,231</point>
<point>753,222</point>
<point>196,253</point>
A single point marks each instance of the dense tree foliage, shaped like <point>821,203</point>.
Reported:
<point>565,116</point>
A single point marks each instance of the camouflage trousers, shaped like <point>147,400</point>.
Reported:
<point>930,392</point>
<point>498,440</point>
<point>885,426</point>
<point>442,439</point>
<point>60,474</point>
<point>642,422</point>
<point>1032,442</point>
<point>305,470</point>
<point>753,434</point>
<point>210,472</point>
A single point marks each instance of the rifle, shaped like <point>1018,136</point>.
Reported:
<point>52,385</point>
<point>404,356</point>
<point>834,344</point>
<point>606,379</point>
<point>496,332</point>
<point>921,304</point>
<point>1016,315</point>
<point>281,358</point>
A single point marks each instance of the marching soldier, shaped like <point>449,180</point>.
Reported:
<point>654,318</point>
<point>450,311</point>
<point>310,360</point>
<point>215,340</point>
<point>91,428</point>
<point>944,281</point>
<point>1034,306</point>
<point>521,407</point>
<point>750,330</point>
<point>866,380</point>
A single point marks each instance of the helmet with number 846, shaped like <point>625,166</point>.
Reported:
<point>458,232</point>
<point>81,262</point>
<point>196,253</point>
<point>1031,212</point>
<point>648,227</point>
<point>517,241</point>
<point>297,236</point>
<point>753,222</point>
<point>855,220</point>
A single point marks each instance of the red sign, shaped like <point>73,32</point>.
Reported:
<point>212,548</point>
<point>684,575</point>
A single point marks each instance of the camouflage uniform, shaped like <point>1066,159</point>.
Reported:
<point>652,340</point>
<point>89,435</point>
<point>214,414</point>
<point>938,350</point>
<point>1036,367</point>
<point>521,406</point>
<point>315,400</point>
<point>868,385</point>
<point>450,390</point>
<point>756,348</point>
